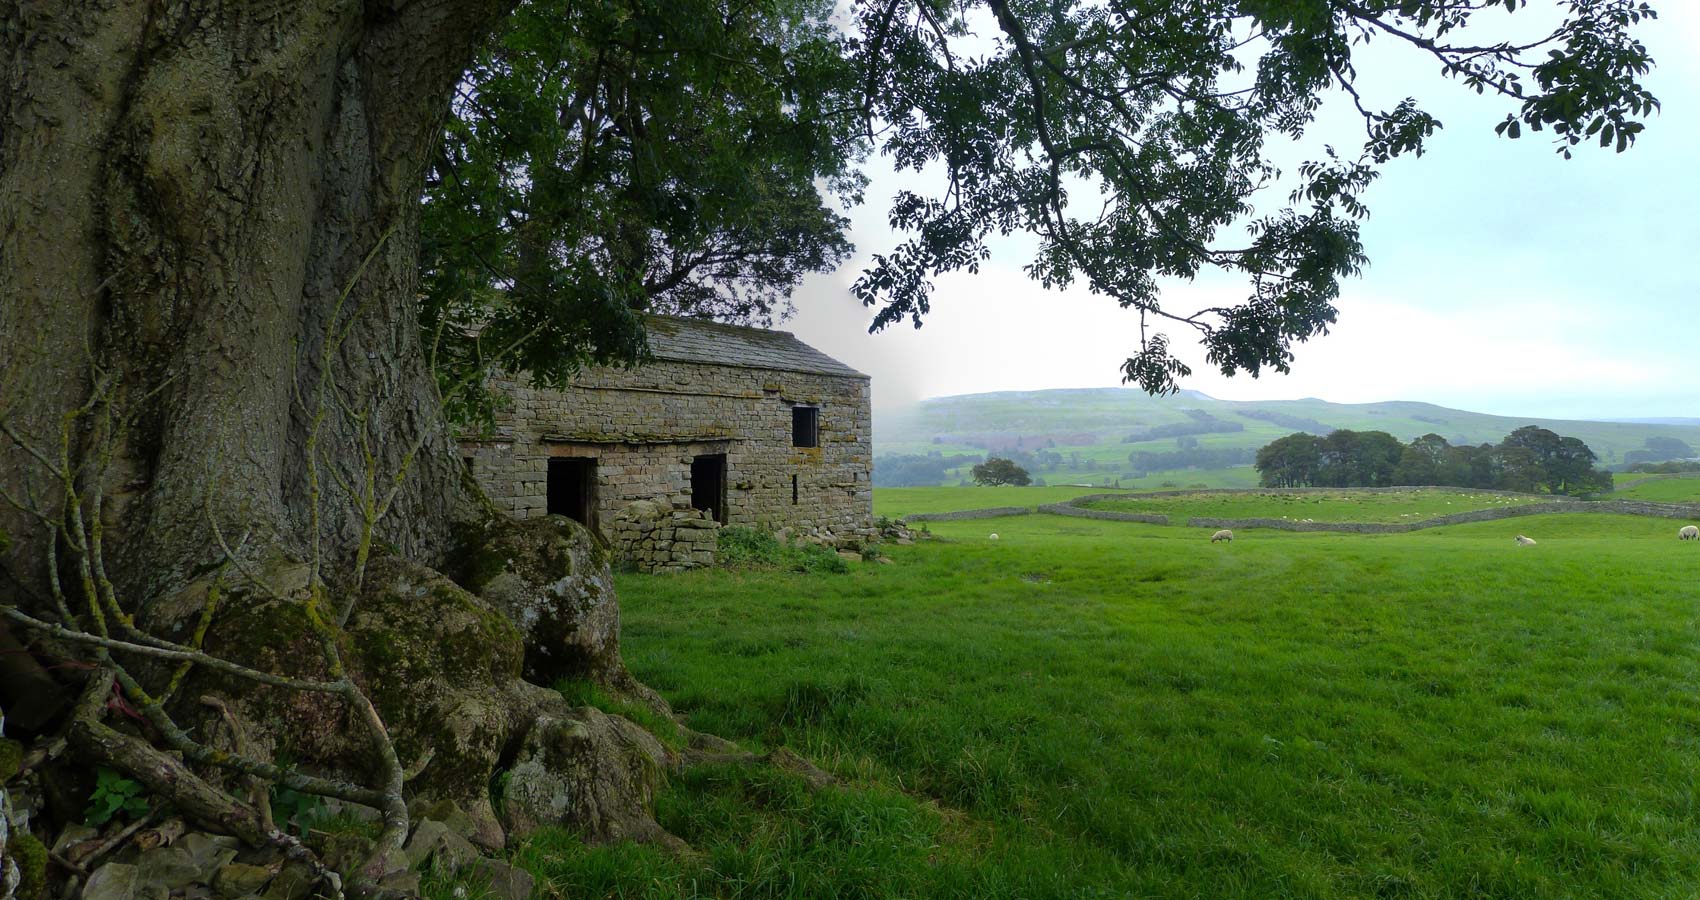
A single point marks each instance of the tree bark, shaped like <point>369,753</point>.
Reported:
<point>188,188</point>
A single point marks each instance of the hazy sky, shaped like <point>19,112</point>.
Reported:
<point>1502,279</point>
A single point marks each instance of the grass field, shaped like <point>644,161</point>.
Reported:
<point>897,502</point>
<point>1661,490</point>
<point>1414,504</point>
<point>1087,709</point>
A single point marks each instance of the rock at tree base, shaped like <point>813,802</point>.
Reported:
<point>505,881</point>
<point>172,867</point>
<point>113,881</point>
<point>592,769</point>
<point>240,879</point>
<point>444,668</point>
<point>551,578</point>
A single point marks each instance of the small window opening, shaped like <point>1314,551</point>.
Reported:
<point>708,485</point>
<point>793,490</point>
<point>805,426</point>
<point>572,489</point>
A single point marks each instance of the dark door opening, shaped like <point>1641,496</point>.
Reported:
<point>708,485</point>
<point>572,489</point>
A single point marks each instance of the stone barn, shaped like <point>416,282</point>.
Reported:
<point>726,424</point>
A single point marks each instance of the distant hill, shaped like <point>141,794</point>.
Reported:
<point>1095,429</point>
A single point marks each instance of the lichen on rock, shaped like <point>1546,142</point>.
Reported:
<point>551,578</point>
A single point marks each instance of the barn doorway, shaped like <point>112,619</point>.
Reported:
<point>572,489</point>
<point>708,485</point>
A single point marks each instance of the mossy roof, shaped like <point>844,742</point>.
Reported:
<point>712,343</point>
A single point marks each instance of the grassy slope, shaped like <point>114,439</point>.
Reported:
<point>1111,413</point>
<point>897,502</point>
<point>1661,490</point>
<point>1099,709</point>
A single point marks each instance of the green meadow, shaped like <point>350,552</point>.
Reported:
<point>1406,505</point>
<point>897,502</point>
<point>1685,489</point>
<point>1086,709</point>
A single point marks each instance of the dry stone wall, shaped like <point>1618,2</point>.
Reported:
<point>1619,507</point>
<point>652,538</point>
<point>644,426</point>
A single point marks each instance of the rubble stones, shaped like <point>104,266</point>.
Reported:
<point>234,880</point>
<point>113,881</point>
<point>649,537</point>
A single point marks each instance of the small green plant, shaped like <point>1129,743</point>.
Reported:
<point>290,807</point>
<point>114,795</point>
<point>749,548</point>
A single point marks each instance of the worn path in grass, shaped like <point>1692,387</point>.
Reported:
<point>1106,709</point>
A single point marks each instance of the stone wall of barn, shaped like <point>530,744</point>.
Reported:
<point>643,427</point>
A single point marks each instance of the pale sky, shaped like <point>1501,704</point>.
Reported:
<point>1502,278</point>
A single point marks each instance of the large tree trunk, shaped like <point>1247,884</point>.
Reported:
<point>214,205</point>
<point>187,190</point>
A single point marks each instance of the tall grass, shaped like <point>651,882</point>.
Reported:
<point>1101,709</point>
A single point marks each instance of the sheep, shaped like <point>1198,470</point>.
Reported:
<point>1688,533</point>
<point>992,537</point>
<point>1524,540</point>
<point>1223,535</point>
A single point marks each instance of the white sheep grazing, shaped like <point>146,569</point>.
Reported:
<point>1524,540</point>
<point>1223,535</point>
<point>1688,533</point>
<point>992,537</point>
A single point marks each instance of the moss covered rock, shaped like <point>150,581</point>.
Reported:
<point>551,578</point>
<point>445,667</point>
<point>587,769</point>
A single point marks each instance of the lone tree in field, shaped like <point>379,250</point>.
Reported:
<point>998,470</point>
<point>222,427</point>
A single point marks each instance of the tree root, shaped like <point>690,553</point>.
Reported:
<point>708,750</point>
<point>168,778</point>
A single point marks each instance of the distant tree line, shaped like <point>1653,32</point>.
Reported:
<point>915,470</point>
<point>1200,422</point>
<point>1145,461</point>
<point>1670,467</point>
<point>1530,459</point>
<point>1658,449</point>
<point>1297,423</point>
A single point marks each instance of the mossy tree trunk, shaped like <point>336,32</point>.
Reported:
<point>187,190</point>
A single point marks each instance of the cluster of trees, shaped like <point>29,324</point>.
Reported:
<point>916,470</point>
<point>1659,449</point>
<point>1528,459</point>
<point>1001,471</point>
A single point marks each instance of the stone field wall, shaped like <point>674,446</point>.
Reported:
<point>651,538</point>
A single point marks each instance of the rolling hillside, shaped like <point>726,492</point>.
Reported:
<point>1095,429</point>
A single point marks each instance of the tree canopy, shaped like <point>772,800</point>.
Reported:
<point>633,155</point>
<point>1528,459</point>
<point>609,159</point>
<point>1130,135</point>
<point>998,470</point>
